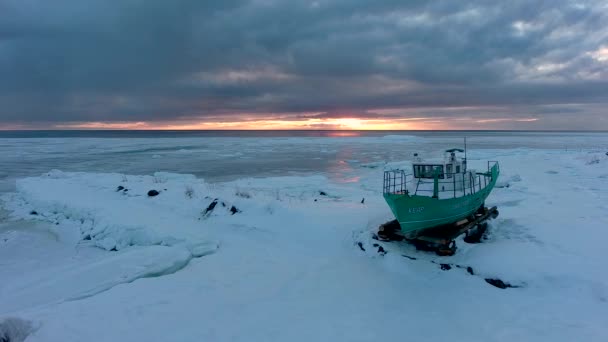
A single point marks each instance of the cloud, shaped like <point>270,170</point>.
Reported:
<point>75,61</point>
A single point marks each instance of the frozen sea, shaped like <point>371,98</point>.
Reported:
<point>229,155</point>
<point>286,252</point>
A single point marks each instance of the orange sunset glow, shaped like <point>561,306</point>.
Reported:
<point>305,124</point>
<point>334,124</point>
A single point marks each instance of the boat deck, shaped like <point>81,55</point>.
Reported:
<point>444,186</point>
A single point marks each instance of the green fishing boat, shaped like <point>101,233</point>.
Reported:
<point>437,193</point>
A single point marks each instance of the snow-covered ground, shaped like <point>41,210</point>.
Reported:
<point>92,257</point>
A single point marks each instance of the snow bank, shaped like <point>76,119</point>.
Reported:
<point>73,281</point>
<point>114,211</point>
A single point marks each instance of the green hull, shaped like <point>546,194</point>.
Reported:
<point>416,213</point>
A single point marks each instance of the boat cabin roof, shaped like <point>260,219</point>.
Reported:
<point>433,161</point>
<point>446,166</point>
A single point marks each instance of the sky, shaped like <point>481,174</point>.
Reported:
<point>265,64</point>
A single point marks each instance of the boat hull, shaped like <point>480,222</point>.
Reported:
<point>417,213</point>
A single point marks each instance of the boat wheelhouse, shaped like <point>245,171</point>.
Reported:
<point>437,192</point>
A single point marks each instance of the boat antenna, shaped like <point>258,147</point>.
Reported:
<point>465,154</point>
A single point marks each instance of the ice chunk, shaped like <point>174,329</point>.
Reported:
<point>402,138</point>
<point>505,181</point>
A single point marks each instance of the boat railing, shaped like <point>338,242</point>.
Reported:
<point>396,181</point>
<point>442,185</point>
<point>491,164</point>
<point>452,187</point>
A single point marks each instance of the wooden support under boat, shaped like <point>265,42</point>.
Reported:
<point>440,239</point>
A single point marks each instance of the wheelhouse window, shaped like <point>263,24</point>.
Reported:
<point>449,170</point>
<point>428,171</point>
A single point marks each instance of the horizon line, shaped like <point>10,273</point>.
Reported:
<point>301,130</point>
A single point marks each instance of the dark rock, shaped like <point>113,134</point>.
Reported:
<point>113,249</point>
<point>322,193</point>
<point>223,204</point>
<point>498,283</point>
<point>607,153</point>
<point>360,244</point>
<point>87,237</point>
<point>234,210</point>
<point>15,329</point>
<point>389,231</point>
<point>381,250</point>
<point>391,225</point>
<point>120,188</point>
<point>445,267</point>
<point>243,194</point>
<point>33,212</point>
<point>409,257</point>
<point>363,200</point>
<point>153,193</point>
<point>470,270</point>
<point>210,207</point>
<point>315,199</point>
<point>475,235</point>
<point>375,245</point>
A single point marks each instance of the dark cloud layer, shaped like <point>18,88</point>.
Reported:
<point>153,60</point>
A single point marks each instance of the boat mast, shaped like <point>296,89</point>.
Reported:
<point>465,154</point>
